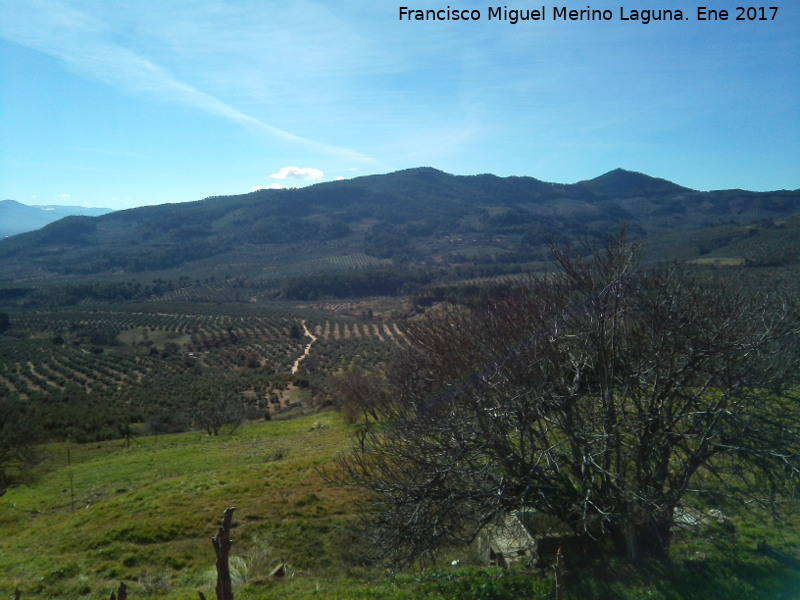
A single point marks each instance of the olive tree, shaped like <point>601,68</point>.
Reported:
<point>600,395</point>
<point>214,410</point>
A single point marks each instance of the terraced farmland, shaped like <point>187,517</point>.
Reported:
<point>155,361</point>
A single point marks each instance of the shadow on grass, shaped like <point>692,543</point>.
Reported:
<point>742,575</point>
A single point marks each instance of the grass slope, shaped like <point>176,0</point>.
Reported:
<point>103,513</point>
<point>146,513</point>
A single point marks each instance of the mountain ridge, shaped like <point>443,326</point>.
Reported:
<point>419,217</point>
<point>17,217</point>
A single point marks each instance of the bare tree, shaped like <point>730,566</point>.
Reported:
<point>601,395</point>
<point>360,394</point>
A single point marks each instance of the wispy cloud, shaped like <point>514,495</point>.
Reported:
<point>303,173</point>
<point>85,44</point>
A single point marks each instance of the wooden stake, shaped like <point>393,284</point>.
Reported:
<point>121,594</point>
<point>222,547</point>
<point>559,569</point>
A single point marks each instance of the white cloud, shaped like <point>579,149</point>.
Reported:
<point>339,178</point>
<point>304,173</point>
<point>65,196</point>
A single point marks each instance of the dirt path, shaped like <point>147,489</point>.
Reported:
<point>300,359</point>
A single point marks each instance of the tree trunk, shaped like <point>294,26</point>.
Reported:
<point>638,540</point>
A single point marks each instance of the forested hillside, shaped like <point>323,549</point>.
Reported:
<point>378,235</point>
<point>416,215</point>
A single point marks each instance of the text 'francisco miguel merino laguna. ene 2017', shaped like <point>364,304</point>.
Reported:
<point>566,13</point>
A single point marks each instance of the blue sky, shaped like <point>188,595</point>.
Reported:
<point>121,103</point>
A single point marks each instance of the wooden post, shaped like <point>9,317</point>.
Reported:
<point>559,569</point>
<point>121,594</point>
<point>222,547</point>
<point>71,481</point>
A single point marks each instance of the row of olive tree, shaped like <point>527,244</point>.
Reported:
<point>602,395</point>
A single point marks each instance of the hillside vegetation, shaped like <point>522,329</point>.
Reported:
<point>441,226</point>
<point>145,513</point>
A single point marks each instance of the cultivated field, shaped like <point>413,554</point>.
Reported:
<point>147,365</point>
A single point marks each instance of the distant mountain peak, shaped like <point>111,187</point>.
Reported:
<point>16,217</point>
<point>621,182</point>
<point>11,203</point>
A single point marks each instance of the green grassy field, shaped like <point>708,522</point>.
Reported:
<point>146,513</point>
<point>98,514</point>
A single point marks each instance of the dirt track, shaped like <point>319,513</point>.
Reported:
<point>307,351</point>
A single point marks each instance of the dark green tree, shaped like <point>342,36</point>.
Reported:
<point>295,332</point>
<point>219,409</point>
<point>19,434</point>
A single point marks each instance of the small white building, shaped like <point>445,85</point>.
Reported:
<point>519,536</point>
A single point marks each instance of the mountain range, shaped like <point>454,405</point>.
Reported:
<point>415,219</point>
<point>16,217</point>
